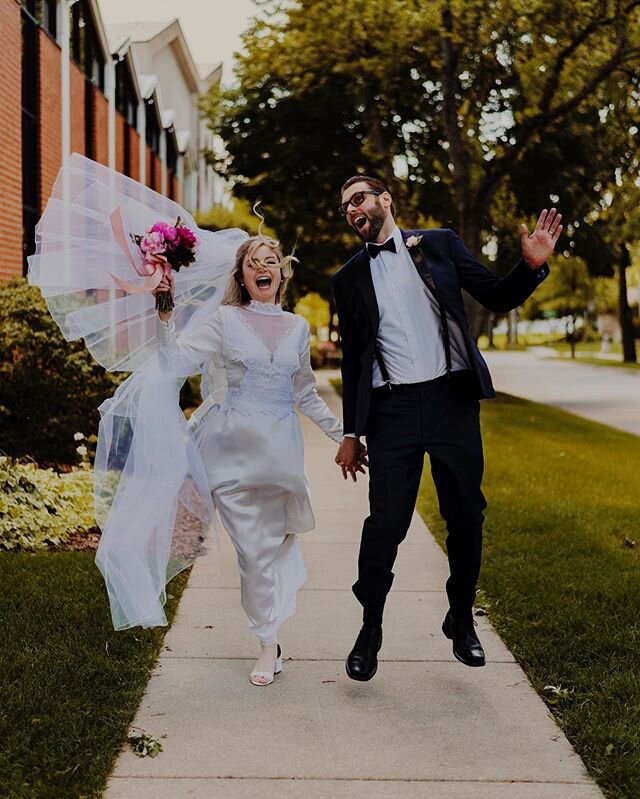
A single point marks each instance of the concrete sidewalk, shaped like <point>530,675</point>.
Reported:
<point>426,726</point>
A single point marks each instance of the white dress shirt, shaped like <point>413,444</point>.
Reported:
<point>410,334</point>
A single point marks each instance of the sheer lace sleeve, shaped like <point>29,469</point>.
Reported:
<point>306,394</point>
<point>193,349</point>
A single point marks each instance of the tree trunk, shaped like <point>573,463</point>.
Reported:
<point>624,313</point>
<point>512,328</point>
<point>468,220</point>
<point>491,321</point>
<point>470,235</point>
<point>572,336</point>
<point>333,319</point>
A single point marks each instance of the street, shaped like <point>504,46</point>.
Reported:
<point>610,395</point>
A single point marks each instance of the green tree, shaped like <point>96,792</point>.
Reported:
<point>595,182</point>
<point>443,99</point>
<point>620,225</point>
<point>567,292</point>
<point>315,309</point>
<point>238,214</point>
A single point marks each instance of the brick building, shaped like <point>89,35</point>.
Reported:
<point>124,97</point>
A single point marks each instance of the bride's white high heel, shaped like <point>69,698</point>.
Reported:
<point>262,677</point>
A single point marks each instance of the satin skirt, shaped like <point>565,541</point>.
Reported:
<point>269,559</point>
<point>255,466</point>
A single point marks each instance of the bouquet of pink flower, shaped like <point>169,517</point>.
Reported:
<point>165,247</point>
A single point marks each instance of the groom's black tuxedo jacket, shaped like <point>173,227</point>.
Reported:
<point>446,268</point>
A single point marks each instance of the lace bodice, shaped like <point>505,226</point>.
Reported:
<point>263,351</point>
<point>254,359</point>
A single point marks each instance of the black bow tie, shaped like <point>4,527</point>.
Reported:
<point>374,249</point>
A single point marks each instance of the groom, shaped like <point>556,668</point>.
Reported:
<point>412,376</point>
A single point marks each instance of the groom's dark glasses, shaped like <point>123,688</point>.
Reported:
<point>356,200</point>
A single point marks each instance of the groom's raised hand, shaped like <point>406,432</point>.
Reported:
<point>538,246</point>
<point>352,457</point>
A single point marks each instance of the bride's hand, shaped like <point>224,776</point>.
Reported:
<point>166,284</point>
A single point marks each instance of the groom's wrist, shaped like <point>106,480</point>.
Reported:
<point>352,435</point>
<point>534,265</point>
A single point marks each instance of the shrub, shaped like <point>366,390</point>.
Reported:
<point>49,388</point>
<point>39,507</point>
<point>190,396</point>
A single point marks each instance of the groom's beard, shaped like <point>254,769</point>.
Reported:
<point>374,224</point>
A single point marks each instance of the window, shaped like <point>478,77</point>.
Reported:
<point>126,100</point>
<point>50,17</point>
<point>152,128</point>
<point>30,122</point>
<point>85,45</point>
<point>43,13</point>
<point>89,120</point>
<point>172,152</point>
<point>127,106</point>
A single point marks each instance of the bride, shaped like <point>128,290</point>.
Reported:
<point>158,479</point>
<point>251,442</point>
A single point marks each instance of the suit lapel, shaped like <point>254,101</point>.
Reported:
<point>365,284</point>
<point>365,281</point>
<point>424,270</point>
<point>418,257</point>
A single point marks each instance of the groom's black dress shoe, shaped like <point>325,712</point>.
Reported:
<point>362,662</point>
<point>466,646</point>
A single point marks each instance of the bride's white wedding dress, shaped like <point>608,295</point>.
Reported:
<point>156,478</point>
<point>257,369</point>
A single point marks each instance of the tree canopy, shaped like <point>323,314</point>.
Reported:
<point>471,110</point>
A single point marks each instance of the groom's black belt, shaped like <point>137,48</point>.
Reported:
<point>459,375</point>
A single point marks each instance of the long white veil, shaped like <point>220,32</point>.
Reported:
<point>152,497</point>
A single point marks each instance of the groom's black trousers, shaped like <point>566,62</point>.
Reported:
<point>441,418</point>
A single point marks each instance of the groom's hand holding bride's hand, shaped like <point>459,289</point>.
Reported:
<point>166,284</point>
<point>352,457</point>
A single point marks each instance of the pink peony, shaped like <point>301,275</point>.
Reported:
<point>168,232</point>
<point>153,242</point>
<point>187,237</point>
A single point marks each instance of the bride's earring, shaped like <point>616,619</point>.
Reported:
<point>268,665</point>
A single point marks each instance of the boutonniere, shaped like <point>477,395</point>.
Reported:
<point>412,242</point>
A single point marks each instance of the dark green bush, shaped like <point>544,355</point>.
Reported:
<point>49,388</point>
<point>190,396</point>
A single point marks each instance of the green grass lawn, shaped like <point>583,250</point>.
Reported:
<point>581,358</point>
<point>500,341</point>
<point>70,685</point>
<point>586,351</point>
<point>561,572</point>
<point>615,347</point>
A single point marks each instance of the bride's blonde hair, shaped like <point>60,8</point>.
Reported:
<point>235,292</point>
